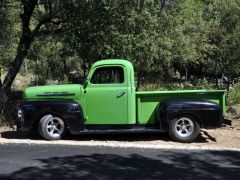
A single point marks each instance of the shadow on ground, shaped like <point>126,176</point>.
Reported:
<point>20,135</point>
<point>204,137</point>
<point>165,165</point>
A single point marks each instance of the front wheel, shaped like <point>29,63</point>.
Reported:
<point>51,127</point>
<point>184,129</point>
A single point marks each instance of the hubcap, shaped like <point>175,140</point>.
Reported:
<point>184,127</point>
<point>55,126</point>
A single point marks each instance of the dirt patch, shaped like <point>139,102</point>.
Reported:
<point>5,128</point>
<point>225,138</point>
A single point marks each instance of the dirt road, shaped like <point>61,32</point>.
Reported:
<point>226,138</point>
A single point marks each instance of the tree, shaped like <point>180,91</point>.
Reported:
<point>224,19</point>
<point>118,29</point>
<point>28,33</point>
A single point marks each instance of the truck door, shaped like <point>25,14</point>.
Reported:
<point>106,96</point>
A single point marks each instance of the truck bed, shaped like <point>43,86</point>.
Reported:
<point>147,102</point>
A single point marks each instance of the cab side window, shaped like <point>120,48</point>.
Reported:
<point>108,75</point>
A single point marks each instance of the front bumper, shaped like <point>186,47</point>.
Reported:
<point>18,124</point>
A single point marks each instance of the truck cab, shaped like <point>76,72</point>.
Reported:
<point>109,93</point>
<point>107,102</point>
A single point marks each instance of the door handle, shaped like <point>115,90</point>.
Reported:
<point>120,93</point>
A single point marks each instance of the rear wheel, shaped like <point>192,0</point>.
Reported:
<point>184,129</point>
<point>51,127</point>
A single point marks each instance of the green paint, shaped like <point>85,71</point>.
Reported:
<point>38,92</point>
<point>118,103</point>
<point>148,102</point>
<point>104,102</point>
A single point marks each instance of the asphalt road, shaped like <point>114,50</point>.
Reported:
<point>23,161</point>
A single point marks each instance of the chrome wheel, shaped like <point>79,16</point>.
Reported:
<point>184,127</point>
<point>55,126</point>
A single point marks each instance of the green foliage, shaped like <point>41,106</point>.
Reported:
<point>203,84</point>
<point>224,35</point>
<point>196,84</point>
<point>191,44</point>
<point>234,95</point>
<point>9,32</point>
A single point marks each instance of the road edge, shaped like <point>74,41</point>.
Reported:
<point>115,144</point>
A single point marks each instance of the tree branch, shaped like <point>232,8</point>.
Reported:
<point>47,20</point>
<point>50,7</point>
<point>162,5</point>
<point>40,24</point>
<point>48,32</point>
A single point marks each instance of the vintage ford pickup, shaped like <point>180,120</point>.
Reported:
<point>108,103</point>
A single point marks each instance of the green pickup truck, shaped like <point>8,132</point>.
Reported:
<point>108,103</point>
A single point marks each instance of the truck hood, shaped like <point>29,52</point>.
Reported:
<point>71,92</point>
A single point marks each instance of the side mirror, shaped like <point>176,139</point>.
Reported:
<point>86,83</point>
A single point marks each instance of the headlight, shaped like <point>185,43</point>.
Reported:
<point>19,112</point>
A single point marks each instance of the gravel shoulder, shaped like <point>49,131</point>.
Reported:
<point>225,138</point>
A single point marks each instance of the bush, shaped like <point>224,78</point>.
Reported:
<point>180,85</point>
<point>234,95</point>
<point>8,115</point>
<point>204,84</point>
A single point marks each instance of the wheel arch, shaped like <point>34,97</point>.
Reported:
<point>41,115</point>
<point>70,111</point>
<point>206,113</point>
<point>187,114</point>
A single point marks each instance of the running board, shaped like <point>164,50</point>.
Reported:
<point>118,131</point>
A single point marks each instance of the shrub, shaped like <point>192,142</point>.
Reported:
<point>8,115</point>
<point>234,95</point>
<point>203,84</point>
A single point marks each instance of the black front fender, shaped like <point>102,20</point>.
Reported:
<point>70,111</point>
<point>207,114</point>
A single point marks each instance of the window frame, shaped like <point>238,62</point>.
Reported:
<point>108,66</point>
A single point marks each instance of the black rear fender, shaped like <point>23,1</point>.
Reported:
<point>206,113</point>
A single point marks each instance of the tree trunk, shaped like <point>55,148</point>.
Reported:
<point>26,67</point>
<point>216,75</point>
<point>15,66</point>
<point>23,46</point>
<point>65,68</point>
<point>139,78</point>
<point>3,99</point>
<point>0,77</point>
<point>229,81</point>
<point>163,3</point>
<point>26,39</point>
<point>186,73</point>
<point>84,71</point>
